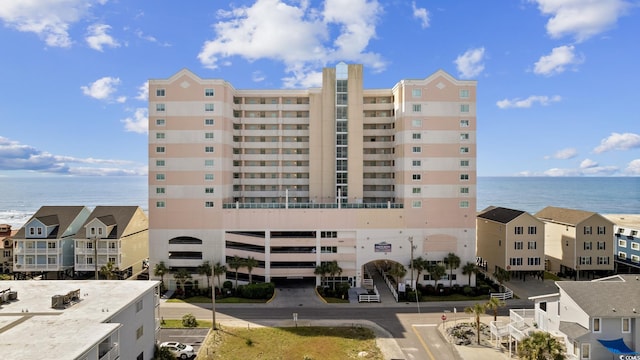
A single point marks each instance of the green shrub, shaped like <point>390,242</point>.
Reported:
<point>256,291</point>
<point>227,284</point>
<point>189,321</point>
<point>467,290</point>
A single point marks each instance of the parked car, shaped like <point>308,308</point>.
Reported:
<point>180,350</point>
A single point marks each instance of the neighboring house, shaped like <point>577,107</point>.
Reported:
<point>597,319</point>
<point>80,320</point>
<point>6,257</point>
<point>44,245</point>
<point>577,243</point>
<point>116,234</point>
<point>510,239</point>
<point>626,228</point>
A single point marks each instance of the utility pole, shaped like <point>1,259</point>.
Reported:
<point>95,255</point>
<point>213,298</point>
<point>411,263</point>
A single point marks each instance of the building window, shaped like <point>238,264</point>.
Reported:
<point>464,204</point>
<point>518,230</point>
<point>208,190</point>
<point>160,149</point>
<point>464,190</point>
<point>159,135</point>
<point>160,190</point>
<point>416,163</point>
<point>515,261</point>
<point>208,122</point>
<point>635,258</point>
<point>626,325</point>
<point>208,149</point>
<point>160,92</point>
<point>208,92</point>
<point>160,177</point>
<point>596,325</point>
<point>416,190</point>
<point>416,149</point>
<point>417,136</point>
<point>160,204</point>
<point>160,163</point>
<point>464,163</point>
<point>416,93</point>
<point>531,245</point>
<point>532,230</point>
<point>208,177</point>
<point>416,204</point>
<point>464,136</point>
<point>417,108</point>
<point>464,177</point>
<point>601,230</point>
<point>416,123</point>
<point>464,150</point>
<point>622,243</point>
<point>587,245</point>
<point>535,261</point>
<point>208,163</point>
<point>622,255</point>
<point>518,245</point>
<point>160,107</point>
<point>585,351</point>
<point>208,107</point>
<point>139,332</point>
<point>464,93</point>
<point>208,135</point>
<point>416,177</point>
<point>208,204</point>
<point>138,305</point>
<point>635,246</point>
<point>587,230</point>
<point>464,108</point>
<point>464,123</point>
<point>585,260</point>
<point>603,260</point>
<point>160,122</point>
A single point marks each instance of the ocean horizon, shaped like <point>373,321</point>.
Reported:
<point>23,196</point>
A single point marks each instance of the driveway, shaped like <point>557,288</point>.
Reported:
<point>193,337</point>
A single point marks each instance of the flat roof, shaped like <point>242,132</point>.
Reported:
<point>31,329</point>
<point>624,220</point>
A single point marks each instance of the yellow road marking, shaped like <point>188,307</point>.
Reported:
<point>424,345</point>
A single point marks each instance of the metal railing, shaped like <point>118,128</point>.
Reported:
<point>239,205</point>
<point>370,298</point>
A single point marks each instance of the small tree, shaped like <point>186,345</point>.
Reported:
<point>494,304</point>
<point>109,271</point>
<point>219,269</point>
<point>189,321</point>
<point>206,270</point>
<point>160,269</point>
<point>541,345</point>
<point>235,263</point>
<point>397,271</point>
<point>469,269</point>
<point>436,272</point>
<point>502,275</point>
<point>476,310</point>
<point>250,263</point>
<point>333,269</point>
<point>181,277</point>
<point>453,262</point>
<point>321,270</point>
<point>419,265</point>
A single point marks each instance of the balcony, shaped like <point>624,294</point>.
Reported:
<point>111,354</point>
<point>521,323</point>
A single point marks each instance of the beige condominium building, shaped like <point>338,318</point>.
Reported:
<point>294,178</point>
<point>511,240</point>
<point>578,243</point>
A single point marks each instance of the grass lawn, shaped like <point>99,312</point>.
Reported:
<point>550,276</point>
<point>207,300</point>
<point>453,297</point>
<point>177,324</point>
<point>310,343</point>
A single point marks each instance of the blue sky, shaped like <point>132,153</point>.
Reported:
<point>557,79</point>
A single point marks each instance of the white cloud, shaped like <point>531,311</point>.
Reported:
<point>633,168</point>
<point>470,63</point>
<point>564,154</point>
<point>588,171</point>
<point>49,19</point>
<point>528,102</point>
<point>138,122</point>
<point>258,76</point>
<point>557,62</point>
<point>421,14</point>
<point>617,141</point>
<point>97,37</point>
<point>298,36</point>
<point>143,92</point>
<point>587,164</point>
<point>581,19</point>
<point>150,38</point>
<point>101,89</point>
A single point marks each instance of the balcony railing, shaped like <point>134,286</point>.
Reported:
<point>112,354</point>
<point>239,205</point>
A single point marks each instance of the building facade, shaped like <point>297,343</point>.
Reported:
<point>626,228</point>
<point>294,178</point>
<point>6,260</point>
<point>512,240</point>
<point>578,243</point>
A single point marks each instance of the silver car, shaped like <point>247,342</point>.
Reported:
<point>180,350</point>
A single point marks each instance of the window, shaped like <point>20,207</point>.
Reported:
<point>160,190</point>
<point>328,249</point>
<point>160,107</point>
<point>587,230</point>
<point>208,92</point>
<point>518,245</point>
<point>138,305</point>
<point>621,231</point>
<point>635,258</point>
<point>602,245</point>
<point>208,122</point>
<point>160,122</point>
<point>585,260</point>
<point>464,108</point>
<point>208,190</point>
<point>464,177</point>
<point>416,204</point>
<point>417,136</point>
<point>159,135</point>
<point>596,325</point>
<point>416,123</point>
<point>535,261</point>
<point>416,177</point>
<point>635,246</point>
<point>464,190</point>
<point>585,351</point>
<point>622,255</point>
<point>208,163</point>
<point>139,332</point>
<point>601,230</point>
<point>208,204</point>
<point>160,92</point>
<point>160,177</point>
<point>160,204</point>
<point>416,163</point>
<point>208,107</point>
<point>464,163</point>
<point>626,325</point>
<point>160,149</point>
<point>464,136</point>
<point>587,245</point>
<point>518,230</point>
<point>464,123</point>
<point>416,92</point>
<point>531,245</point>
<point>464,93</point>
<point>515,261</point>
<point>416,190</point>
<point>634,232</point>
<point>208,135</point>
<point>208,149</point>
<point>417,108</point>
<point>416,149</point>
<point>532,230</point>
<point>622,243</point>
<point>464,150</point>
<point>208,177</point>
<point>464,204</point>
<point>160,162</point>
<point>603,260</point>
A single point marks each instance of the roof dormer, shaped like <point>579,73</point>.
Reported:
<point>41,227</point>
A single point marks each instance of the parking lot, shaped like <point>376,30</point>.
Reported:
<point>193,337</point>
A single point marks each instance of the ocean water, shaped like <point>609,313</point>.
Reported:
<point>21,197</point>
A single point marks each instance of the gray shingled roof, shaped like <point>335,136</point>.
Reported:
<point>563,215</point>
<point>572,330</point>
<point>500,214</point>
<point>118,216</point>
<point>50,215</point>
<point>617,296</point>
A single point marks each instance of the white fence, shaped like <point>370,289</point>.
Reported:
<point>370,298</point>
<point>391,286</point>
<point>508,294</point>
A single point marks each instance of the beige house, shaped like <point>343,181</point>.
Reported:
<point>298,177</point>
<point>577,243</point>
<point>510,239</point>
<point>115,234</point>
<point>44,245</point>
<point>6,258</point>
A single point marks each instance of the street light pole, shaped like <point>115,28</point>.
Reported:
<point>213,298</point>
<point>411,263</point>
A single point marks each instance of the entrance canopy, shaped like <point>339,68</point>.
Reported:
<point>617,347</point>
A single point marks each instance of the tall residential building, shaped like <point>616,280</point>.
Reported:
<point>294,178</point>
<point>627,242</point>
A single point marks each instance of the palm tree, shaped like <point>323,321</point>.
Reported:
<point>235,263</point>
<point>453,262</point>
<point>494,304</point>
<point>160,270</point>
<point>206,270</point>
<point>478,309</point>
<point>502,275</point>
<point>321,270</point>
<point>541,345</point>
<point>436,272</point>
<point>419,265</point>
<point>109,271</point>
<point>397,271</point>
<point>181,277</point>
<point>219,269</point>
<point>469,269</point>
<point>250,263</point>
<point>334,269</point>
